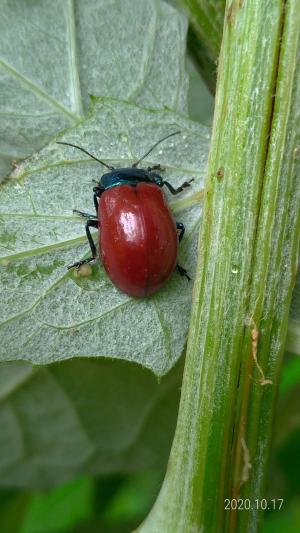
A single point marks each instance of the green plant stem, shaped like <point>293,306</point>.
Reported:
<point>202,60</point>
<point>205,35</point>
<point>274,273</point>
<point>206,17</point>
<point>246,270</point>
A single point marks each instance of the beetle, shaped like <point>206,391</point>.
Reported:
<point>138,236</point>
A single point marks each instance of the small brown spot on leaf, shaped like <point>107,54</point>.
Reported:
<point>220,174</point>
<point>232,10</point>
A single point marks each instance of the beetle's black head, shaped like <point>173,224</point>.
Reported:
<point>125,176</point>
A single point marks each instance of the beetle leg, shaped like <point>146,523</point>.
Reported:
<point>181,228</point>
<point>179,189</point>
<point>96,202</point>
<point>84,215</point>
<point>182,271</point>
<point>156,167</point>
<point>89,224</point>
<point>97,193</point>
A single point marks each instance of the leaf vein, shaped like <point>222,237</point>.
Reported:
<point>73,58</point>
<point>38,91</point>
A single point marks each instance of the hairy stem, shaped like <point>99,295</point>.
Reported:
<point>246,270</point>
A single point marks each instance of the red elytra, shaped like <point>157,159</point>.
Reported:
<point>137,233</point>
<point>138,238</point>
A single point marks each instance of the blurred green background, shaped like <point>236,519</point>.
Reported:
<point>119,503</point>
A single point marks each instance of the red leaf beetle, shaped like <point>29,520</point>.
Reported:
<point>138,237</point>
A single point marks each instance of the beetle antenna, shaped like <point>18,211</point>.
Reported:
<point>86,152</point>
<point>154,146</point>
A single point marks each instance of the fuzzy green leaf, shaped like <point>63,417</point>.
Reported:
<point>82,416</point>
<point>58,315</point>
<point>54,54</point>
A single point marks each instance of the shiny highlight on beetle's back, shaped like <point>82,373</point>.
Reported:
<point>138,238</point>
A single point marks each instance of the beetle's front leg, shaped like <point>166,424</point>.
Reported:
<point>156,167</point>
<point>179,189</point>
<point>89,224</point>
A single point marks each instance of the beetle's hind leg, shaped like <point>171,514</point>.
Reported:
<point>182,271</point>
<point>181,229</point>
<point>89,224</point>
